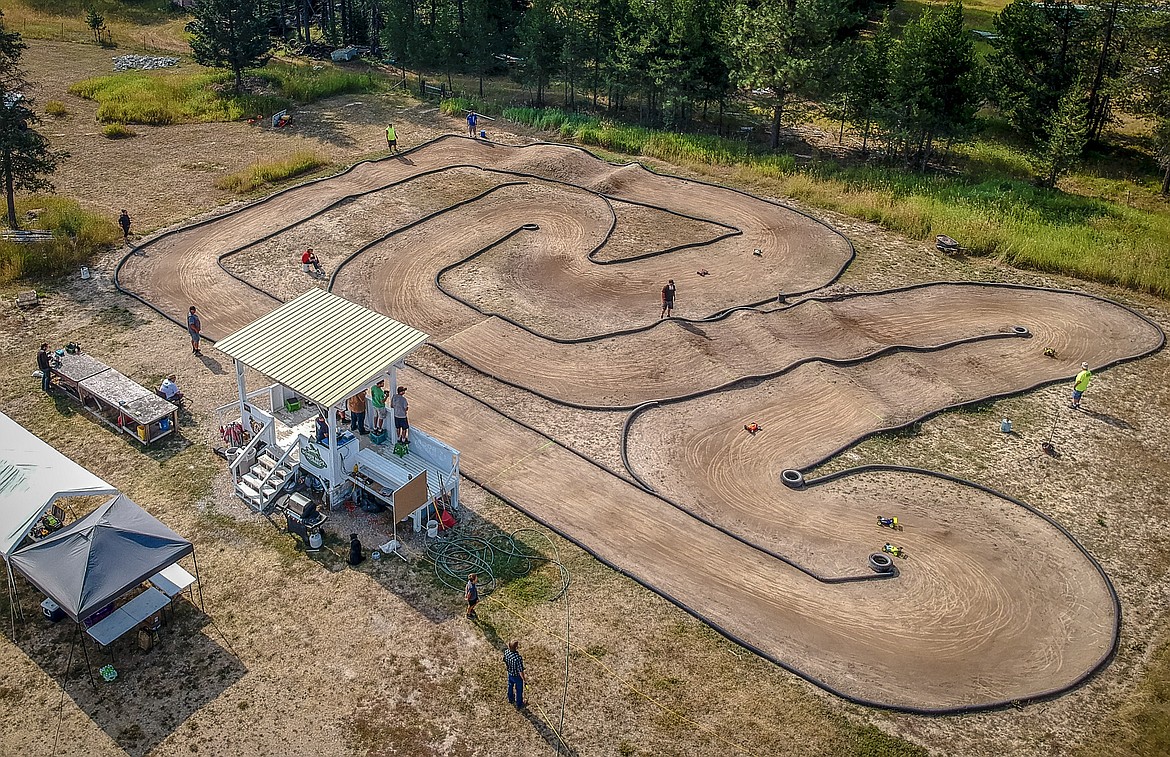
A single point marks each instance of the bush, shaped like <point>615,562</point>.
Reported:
<point>262,174</point>
<point>56,108</point>
<point>307,84</point>
<point>116,131</point>
<point>77,235</point>
<point>161,98</point>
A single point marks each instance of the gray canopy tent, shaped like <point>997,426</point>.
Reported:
<point>100,557</point>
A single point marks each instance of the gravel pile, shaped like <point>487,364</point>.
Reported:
<point>143,62</point>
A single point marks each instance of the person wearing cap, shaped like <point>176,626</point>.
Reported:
<point>1080,384</point>
<point>378,400</point>
<point>400,407</point>
<point>169,390</point>
<point>194,329</point>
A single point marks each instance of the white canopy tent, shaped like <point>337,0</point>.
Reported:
<point>33,476</point>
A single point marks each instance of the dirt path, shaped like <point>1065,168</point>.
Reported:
<point>1029,593</point>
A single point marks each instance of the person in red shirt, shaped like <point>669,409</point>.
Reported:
<point>309,259</point>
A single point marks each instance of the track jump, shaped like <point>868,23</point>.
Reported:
<point>540,265</point>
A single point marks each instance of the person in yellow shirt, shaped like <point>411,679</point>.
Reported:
<point>391,138</point>
<point>1080,384</point>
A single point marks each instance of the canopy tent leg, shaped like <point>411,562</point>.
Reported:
<point>84,651</point>
<point>199,581</point>
<point>15,611</point>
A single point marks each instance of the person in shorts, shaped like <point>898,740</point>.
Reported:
<point>471,594</point>
<point>1080,384</point>
<point>391,138</point>
<point>194,327</point>
<point>400,407</point>
<point>667,299</point>
<point>378,400</point>
<point>472,120</point>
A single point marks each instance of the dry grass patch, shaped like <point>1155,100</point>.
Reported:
<point>272,172</point>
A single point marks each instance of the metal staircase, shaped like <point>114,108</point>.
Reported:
<point>259,485</point>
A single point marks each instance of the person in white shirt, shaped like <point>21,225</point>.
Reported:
<point>169,390</point>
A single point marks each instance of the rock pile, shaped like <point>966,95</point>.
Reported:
<point>143,62</point>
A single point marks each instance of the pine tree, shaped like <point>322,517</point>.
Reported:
<point>540,40</point>
<point>784,48</point>
<point>96,22</point>
<point>1041,52</point>
<point>935,84</point>
<point>25,155</point>
<point>230,34</point>
<point>1067,132</point>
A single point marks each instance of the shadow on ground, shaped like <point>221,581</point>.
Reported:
<point>155,692</point>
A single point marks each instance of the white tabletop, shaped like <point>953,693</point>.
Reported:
<point>127,616</point>
<point>172,579</point>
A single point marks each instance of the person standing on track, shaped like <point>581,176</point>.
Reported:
<point>400,407</point>
<point>1080,384</point>
<point>124,222</point>
<point>194,327</point>
<point>514,664</point>
<point>472,120</point>
<point>667,299</point>
<point>391,138</point>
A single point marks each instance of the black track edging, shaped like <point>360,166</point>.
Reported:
<point>718,314</point>
<point>866,576</point>
<point>809,482</point>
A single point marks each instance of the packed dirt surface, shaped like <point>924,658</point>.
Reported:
<point>300,653</point>
<point>714,530</point>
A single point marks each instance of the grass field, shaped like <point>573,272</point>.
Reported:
<point>77,234</point>
<point>173,97</point>
<point>199,95</point>
<point>135,24</point>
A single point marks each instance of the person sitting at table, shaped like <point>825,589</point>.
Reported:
<point>322,430</point>
<point>169,390</point>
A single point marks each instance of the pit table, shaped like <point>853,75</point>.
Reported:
<point>126,617</point>
<point>115,399</point>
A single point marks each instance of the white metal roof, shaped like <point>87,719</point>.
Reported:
<point>32,476</point>
<point>322,346</point>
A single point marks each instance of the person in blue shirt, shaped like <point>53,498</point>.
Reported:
<point>472,120</point>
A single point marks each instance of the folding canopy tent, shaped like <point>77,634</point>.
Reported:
<point>100,557</point>
<point>33,475</point>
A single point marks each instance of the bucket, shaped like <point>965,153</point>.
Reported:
<point>142,433</point>
<point>483,135</point>
<point>432,529</point>
<point>85,272</point>
<point>1005,426</point>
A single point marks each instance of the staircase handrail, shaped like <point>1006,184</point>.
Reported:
<point>246,451</point>
<point>279,463</point>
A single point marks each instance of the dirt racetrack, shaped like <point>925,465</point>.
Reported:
<point>519,263</point>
